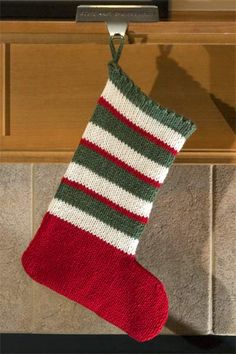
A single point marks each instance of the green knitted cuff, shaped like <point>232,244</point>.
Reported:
<point>177,122</point>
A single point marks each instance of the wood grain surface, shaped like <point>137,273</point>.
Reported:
<point>52,74</point>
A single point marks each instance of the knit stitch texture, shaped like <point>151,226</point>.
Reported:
<point>85,247</point>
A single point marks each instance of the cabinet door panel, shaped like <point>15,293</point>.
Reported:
<point>53,90</point>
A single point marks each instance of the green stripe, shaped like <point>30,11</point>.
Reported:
<point>107,169</point>
<point>99,210</point>
<point>106,120</point>
<point>177,122</point>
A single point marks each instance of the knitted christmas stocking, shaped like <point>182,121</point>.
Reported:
<point>85,246</point>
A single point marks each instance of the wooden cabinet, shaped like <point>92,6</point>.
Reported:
<point>52,74</point>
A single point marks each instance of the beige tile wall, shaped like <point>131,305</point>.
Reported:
<point>189,244</point>
<point>16,290</point>
<point>224,250</point>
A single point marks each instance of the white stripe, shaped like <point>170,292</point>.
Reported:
<point>122,151</point>
<point>135,115</point>
<point>107,189</point>
<point>90,224</point>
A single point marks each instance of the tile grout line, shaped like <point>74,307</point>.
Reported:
<point>32,231</point>
<point>213,246</point>
<point>211,254</point>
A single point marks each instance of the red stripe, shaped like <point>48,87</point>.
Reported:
<point>105,200</point>
<point>120,163</point>
<point>103,102</point>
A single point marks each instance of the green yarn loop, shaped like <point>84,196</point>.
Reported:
<point>116,53</point>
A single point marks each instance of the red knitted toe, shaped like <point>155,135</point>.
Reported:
<point>97,275</point>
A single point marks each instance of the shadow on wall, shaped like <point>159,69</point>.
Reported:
<point>176,89</point>
<point>176,242</point>
<point>227,83</point>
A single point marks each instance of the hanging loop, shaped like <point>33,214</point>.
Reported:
<point>116,53</point>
